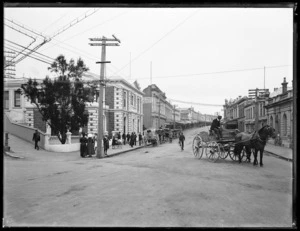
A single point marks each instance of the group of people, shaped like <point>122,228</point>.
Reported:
<point>131,139</point>
<point>88,145</point>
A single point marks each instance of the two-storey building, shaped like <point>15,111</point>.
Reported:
<point>280,109</point>
<point>154,107</point>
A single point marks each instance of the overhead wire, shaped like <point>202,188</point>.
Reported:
<point>216,72</point>
<point>165,35</point>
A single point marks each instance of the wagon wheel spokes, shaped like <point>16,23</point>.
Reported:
<point>232,155</point>
<point>197,147</point>
<point>213,151</point>
<point>223,151</point>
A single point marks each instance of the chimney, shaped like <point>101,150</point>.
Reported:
<point>284,86</point>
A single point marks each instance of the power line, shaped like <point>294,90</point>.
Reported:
<point>26,28</point>
<point>28,55</point>
<point>217,72</point>
<point>30,49</point>
<point>72,23</point>
<point>71,37</point>
<point>169,32</point>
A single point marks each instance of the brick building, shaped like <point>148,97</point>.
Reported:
<point>154,106</point>
<point>123,110</point>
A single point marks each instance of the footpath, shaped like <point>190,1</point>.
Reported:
<point>21,149</point>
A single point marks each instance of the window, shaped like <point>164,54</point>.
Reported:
<point>284,125</point>
<point>6,99</point>
<point>131,99</point>
<point>124,98</point>
<point>17,98</point>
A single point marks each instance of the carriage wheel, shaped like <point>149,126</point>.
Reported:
<point>212,151</point>
<point>244,155</point>
<point>232,155</point>
<point>223,153</point>
<point>197,147</point>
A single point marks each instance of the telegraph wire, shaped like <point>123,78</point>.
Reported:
<point>28,55</point>
<point>26,28</point>
<point>75,21</point>
<point>71,37</point>
<point>169,32</point>
<point>211,73</point>
<point>29,49</point>
<point>8,46</point>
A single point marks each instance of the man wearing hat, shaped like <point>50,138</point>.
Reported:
<point>216,126</point>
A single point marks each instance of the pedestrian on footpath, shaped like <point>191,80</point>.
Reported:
<point>128,138</point>
<point>105,144</point>
<point>83,142</point>
<point>181,140</point>
<point>95,142</point>
<point>124,138</point>
<point>132,139</point>
<point>90,146</point>
<point>140,139</point>
<point>36,138</point>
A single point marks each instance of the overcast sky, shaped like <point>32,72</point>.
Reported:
<point>200,55</point>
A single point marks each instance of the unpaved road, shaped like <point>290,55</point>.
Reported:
<point>150,187</point>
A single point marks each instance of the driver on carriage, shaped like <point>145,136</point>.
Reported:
<point>216,127</point>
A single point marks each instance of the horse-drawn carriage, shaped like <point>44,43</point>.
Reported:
<point>237,145</point>
<point>151,136</point>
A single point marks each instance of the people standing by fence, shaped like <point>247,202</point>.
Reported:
<point>36,138</point>
<point>90,146</point>
<point>83,142</point>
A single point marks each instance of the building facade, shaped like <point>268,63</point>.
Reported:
<point>155,107</point>
<point>279,109</point>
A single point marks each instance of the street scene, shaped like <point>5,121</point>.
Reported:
<point>149,117</point>
<point>153,186</point>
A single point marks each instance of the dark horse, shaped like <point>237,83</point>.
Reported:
<point>255,140</point>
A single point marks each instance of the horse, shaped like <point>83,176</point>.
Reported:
<point>256,140</point>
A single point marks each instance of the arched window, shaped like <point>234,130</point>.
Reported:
<point>284,125</point>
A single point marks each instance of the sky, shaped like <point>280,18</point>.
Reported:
<point>196,55</point>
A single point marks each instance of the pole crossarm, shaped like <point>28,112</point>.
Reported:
<point>107,44</point>
<point>102,39</point>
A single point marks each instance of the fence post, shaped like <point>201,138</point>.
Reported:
<point>69,137</point>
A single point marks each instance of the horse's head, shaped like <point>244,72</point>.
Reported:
<point>268,131</point>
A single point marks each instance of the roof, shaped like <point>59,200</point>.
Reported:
<point>278,92</point>
<point>89,76</point>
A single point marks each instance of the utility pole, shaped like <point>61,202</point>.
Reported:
<point>102,84</point>
<point>174,116</point>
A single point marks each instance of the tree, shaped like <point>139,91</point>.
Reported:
<point>61,101</point>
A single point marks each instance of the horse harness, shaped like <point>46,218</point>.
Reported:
<point>253,139</point>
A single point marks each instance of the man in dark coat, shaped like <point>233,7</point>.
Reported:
<point>181,140</point>
<point>216,126</point>
<point>36,138</point>
<point>132,139</point>
<point>140,139</point>
<point>124,138</point>
<point>128,137</point>
<point>105,144</point>
<point>83,142</point>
